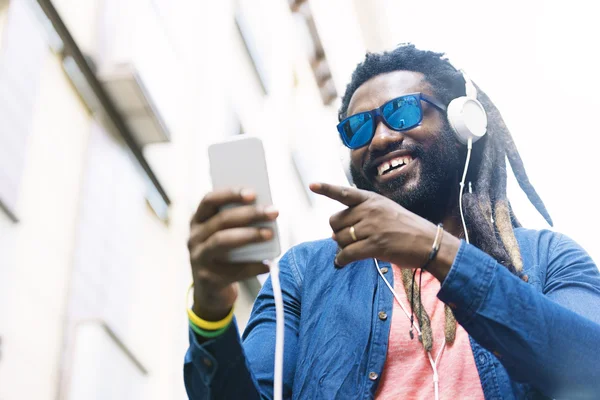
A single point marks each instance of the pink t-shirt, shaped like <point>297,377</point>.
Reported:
<point>407,373</point>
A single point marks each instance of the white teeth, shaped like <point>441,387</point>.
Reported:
<point>383,168</point>
<point>400,161</point>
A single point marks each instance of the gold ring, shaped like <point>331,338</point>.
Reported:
<point>353,233</point>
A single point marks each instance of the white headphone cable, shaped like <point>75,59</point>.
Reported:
<point>279,330</point>
<point>462,188</point>
<point>433,362</point>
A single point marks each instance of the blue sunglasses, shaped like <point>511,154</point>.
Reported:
<point>399,114</point>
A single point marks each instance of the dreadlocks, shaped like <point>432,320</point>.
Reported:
<point>489,216</point>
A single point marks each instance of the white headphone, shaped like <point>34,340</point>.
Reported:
<point>466,114</point>
<point>468,119</point>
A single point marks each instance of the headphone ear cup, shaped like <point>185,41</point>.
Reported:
<point>467,118</point>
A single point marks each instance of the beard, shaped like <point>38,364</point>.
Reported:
<point>434,193</point>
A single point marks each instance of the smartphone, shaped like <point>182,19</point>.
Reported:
<point>240,163</point>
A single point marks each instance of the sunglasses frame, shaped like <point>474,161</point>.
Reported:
<point>376,115</point>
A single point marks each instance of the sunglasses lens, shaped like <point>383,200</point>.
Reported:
<point>403,113</point>
<point>357,130</point>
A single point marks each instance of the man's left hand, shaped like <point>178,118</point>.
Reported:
<point>382,228</point>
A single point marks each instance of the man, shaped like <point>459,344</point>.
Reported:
<point>527,302</point>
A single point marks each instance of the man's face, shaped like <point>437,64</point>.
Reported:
<point>425,185</point>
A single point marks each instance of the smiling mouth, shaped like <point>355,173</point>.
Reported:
<point>393,166</point>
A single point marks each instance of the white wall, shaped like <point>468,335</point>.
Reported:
<point>43,240</point>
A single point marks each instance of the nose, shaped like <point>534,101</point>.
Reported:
<point>384,137</point>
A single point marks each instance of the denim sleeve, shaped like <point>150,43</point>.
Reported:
<point>224,368</point>
<point>550,340</point>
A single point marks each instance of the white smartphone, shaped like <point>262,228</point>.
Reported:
<point>240,163</point>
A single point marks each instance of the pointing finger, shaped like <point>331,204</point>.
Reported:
<point>348,196</point>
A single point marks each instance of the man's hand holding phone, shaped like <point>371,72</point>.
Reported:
<point>215,230</point>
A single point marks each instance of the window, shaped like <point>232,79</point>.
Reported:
<point>22,51</point>
<point>108,234</point>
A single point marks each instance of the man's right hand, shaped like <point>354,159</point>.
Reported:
<point>213,233</point>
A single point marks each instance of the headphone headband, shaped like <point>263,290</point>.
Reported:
<point>470,89</point>
<point>466,114</point>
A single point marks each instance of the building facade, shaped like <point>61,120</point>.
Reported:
<point>96,195</point>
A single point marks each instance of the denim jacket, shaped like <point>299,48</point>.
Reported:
<point>530,340</point>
